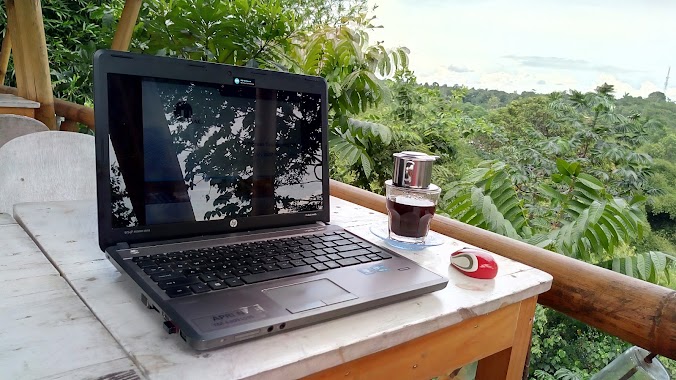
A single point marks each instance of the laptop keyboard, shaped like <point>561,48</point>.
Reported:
<point>204,270</point>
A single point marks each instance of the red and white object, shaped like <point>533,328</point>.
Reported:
<point>474,262</point>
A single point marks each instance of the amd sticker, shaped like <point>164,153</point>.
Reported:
<point>231,317</point>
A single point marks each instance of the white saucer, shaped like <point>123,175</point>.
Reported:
<point>432,239</point>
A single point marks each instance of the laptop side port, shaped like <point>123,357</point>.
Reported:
<point>170,328</point>
<point>147,303</point>
<point>182,336</point>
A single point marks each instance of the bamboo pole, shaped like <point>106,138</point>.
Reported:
<point>35,63</point>
<point>636,311</point>
<point>4,55</point>
<point>125,27</point>
<point>13,29</point>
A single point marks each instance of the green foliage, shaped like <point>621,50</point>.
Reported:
<point>343,56</point>
<point>592,222</point>
<point>532,132</point>
<point>420,119</point>
<point>649,266</point>
<point>605,140</point>
<point>233,32</point>
<point>486,198</point>
<point>323,38</point>
<point>358,143</point>
<point>564,348</point>
<point>578,217</point>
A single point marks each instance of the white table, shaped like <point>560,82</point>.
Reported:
<point>13,104</point>
<point>483,313</point>
<point>45,329</point>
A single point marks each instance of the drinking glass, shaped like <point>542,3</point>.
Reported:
<point>410,211</point>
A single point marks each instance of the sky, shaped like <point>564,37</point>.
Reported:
<point>535,45</point>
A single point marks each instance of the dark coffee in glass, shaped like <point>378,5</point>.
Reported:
<point>410,211</point>
<point>410,217</point>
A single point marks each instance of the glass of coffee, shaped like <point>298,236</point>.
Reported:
<point>410,211</point>
<point>411,198</point>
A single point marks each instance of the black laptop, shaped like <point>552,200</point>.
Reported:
<point>213,196</point>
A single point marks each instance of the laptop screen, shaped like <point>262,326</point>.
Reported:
<point>187,151</point>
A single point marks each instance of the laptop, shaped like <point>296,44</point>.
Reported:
<point>213,197</point>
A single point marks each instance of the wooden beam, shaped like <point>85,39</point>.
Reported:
<point>639,312</point>
<point>4,55</point>
<point>125,27</point>
<point>33,51</point>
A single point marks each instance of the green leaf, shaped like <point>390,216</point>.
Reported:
<point>563,167</point>
<point>659,261</point>
<point>590,181</point>
<point>476,175</point>
<point>596,209</point>
<point>643,266</point>
<point>541,241</point>
<point>649,266</point>
<point>601,235</point>
<point>551,193</point>
<point>366,164</point>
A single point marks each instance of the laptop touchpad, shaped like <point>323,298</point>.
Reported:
<point>309,295</point>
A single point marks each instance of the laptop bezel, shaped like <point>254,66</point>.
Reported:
<point>106,62</point>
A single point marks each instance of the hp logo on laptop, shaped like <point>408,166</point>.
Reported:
<point>236,82</point>
<point>233,223</point>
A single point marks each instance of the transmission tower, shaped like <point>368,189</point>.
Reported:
<point>666,81</point>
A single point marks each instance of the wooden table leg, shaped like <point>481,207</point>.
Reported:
<point>509,363</point>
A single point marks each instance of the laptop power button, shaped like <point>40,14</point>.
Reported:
<point>247,335</point>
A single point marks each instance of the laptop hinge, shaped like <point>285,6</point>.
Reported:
<point>122,246</point>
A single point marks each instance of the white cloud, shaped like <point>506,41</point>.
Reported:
<point>557,45</point>
<point>645,89</point>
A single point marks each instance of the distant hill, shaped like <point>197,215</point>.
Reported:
<point>488,99</point>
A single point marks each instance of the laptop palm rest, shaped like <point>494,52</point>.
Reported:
<point>308,295</point>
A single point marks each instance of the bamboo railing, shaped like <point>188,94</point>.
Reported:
<point>636,311</point>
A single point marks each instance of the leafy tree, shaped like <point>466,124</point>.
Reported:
<point>578,217</point>
<point>421,119</point>
<point>333,43</point>
<point>606,140</point>
<point>563,348</point>
<point>233,32</point>
<point>657,96</point>
<point>661,205</point>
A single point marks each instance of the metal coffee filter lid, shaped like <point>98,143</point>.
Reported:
<point>415,155</point>
<point>413,169</point>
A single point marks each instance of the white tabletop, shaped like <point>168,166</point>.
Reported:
<point>45,329</point>
<point>13,101</point>
<point>66,232</point>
